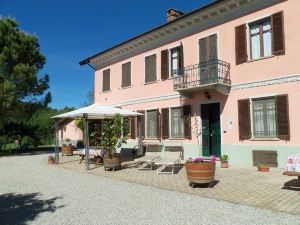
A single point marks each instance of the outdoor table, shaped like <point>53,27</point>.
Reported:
<point>292,173</point>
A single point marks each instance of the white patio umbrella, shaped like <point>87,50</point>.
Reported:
<point>94,111</point>
<point>97,111</point>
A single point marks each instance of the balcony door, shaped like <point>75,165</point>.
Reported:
<point>211,129</point>
<point>208,59</point>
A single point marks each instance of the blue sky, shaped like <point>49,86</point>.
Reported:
<point>70,31</point>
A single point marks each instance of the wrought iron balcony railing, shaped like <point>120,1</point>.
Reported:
<point>202,75</point>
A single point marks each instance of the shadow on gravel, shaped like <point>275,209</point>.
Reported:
<point>23,208</point>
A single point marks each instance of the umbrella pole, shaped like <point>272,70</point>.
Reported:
<point>86,142</point>
<point>56,143</point>
<point>139,125</point>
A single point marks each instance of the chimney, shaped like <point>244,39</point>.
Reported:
<point>173,14</point>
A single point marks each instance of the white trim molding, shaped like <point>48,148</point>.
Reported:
<point>146,100</point>
<point>261,83</point>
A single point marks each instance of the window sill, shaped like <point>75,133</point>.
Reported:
<point>174,138</point>
<point>152,82</point>
<point>151,139</point>
<point>105,91</point>
<point>262,58</point>
<point>264,139</point>
<point>122,88</point>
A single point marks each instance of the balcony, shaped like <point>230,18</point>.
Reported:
<point>213,74</point>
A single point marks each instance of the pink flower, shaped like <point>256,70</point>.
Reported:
<point>213,159</point>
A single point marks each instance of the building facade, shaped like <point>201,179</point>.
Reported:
<point>223,79</point>
<point>70,133</point>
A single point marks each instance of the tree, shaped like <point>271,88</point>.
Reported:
<point>20,61</point>
<point>90,98</point>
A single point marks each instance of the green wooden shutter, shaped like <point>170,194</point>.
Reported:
<point>150,68</point>
<point>123,75</point>
<point>244,119</point>
<point>165,123</point>
<point>141,119</point>
<point>278,34</point>
<point>106,80</point>
<point>186,111</point>
<point>158,127</point>
<point>241,44</point>
<point>126,74</point>
<point>282,117</point>
<point>212,47</point>
<point>180,58</point>
<point>203,50</point>
<point>165,64</point>
<point>133,128</point>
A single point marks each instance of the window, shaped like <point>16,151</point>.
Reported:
<point>269,118</point>
<point>264,38</point>
<point>264,117</point>
<point>150,68</point>
<point>177,123</point>
<point>126,75</point>
<point>151,123</point>
<point>260,39</point>
<point>176,61</point>
<point>106,80</point>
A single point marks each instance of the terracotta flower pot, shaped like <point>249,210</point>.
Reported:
<point>263,169</point>
<point>67,150</point>
<point>113,163</point>
<point>200,173</point>
<point>51,161</point>
<point>224,164</point>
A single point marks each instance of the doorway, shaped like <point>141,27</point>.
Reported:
<point>211,129</point>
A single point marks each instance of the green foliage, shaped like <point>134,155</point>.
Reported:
<point>108,133</point>
<point>24,112</point>
<point>224,158</point>
<point>20,61</point>
<point>90,98</point>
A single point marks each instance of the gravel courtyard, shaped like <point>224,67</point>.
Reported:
<point>31,192</point>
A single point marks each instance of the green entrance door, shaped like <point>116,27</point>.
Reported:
<point>211,129</point>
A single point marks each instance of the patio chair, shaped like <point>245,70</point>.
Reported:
<point>153,153</point>
<point>172,156</point>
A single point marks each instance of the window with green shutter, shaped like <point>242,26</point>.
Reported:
<point>177,123</point>
<point>106,80</point>
<point>126,75</point>
<point>152,123</point>
<point>150,68</point>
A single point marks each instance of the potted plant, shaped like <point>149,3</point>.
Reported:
<point>51,159</point>
<point>263,168</point>
<point>108,136</point>
<point>67,147</point>
<point>200,171</point>
<point>224,161</point>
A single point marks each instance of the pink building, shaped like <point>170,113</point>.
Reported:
<point>222,79</point>
<point>69,132</point>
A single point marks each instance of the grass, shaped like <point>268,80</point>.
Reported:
<point>10,149</point>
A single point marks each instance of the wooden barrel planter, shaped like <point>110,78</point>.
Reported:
<point>113,163</point>
<point>200,173</point>
<point>67,150</point>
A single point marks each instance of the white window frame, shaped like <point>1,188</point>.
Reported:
<point>170,57</point>
<point>273,95</point>
<point>146,123</point>
<point>248,36</point>
<point>170,123</point>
